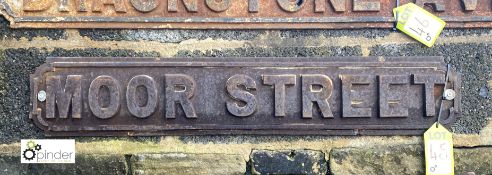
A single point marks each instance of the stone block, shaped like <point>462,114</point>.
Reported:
<point>10,164</point>
<point>288,162</point>
<point>405,159</point>
<point>84,164</point>
<point>477,160</point>
<point>183,163</point>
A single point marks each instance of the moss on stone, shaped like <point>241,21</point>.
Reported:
<point>477,160</point>
<point>183,163</point>
<point>402,159</point>
<point>309,162</point>
<point>85,164</point>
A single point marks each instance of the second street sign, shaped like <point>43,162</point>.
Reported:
<point>295,96</point>
<point>229,14</point>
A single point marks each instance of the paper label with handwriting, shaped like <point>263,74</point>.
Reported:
<point>418,23</point>
<point>439,159</point>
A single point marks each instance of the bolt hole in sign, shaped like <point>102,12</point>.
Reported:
<point>418,23</point>
<point>439,159</point>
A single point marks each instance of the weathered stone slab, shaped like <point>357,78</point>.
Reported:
<point>405,159</point>
<point>408,159</point>
<point>85,164</point>
<point>182,163</point>
<point>10,164</point>
<point>477,160</point>
<point>288,162</point>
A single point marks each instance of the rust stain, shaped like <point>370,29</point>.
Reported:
<point>286,96</point>
<point>233,14</point>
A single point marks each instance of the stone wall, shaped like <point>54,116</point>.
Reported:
<point>22,50</point>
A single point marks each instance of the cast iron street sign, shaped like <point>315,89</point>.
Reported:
<point>296,96</point>
<point>226,14</point>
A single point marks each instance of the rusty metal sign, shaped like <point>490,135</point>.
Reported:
<point>233,14</point>
<point>295,96</point>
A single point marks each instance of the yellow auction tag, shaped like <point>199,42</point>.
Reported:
<point>418,23</point>
<point>439,159</point>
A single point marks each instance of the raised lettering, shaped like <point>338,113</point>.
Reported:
<point>253,6</point>
<point>63,6</point>
<point>367,6</point>
<point>291,5</point>
<point>238,87</point>
<point>71,95</point>
<point>191,5</point>
<point>179,90</point>
<point>145,5</point>
<point>218,6</point>
<point>355,102</point>
<point>36,5</point>
<point>429,81</point>
<point>439,5</point>
<point>132,99</point>
<point>119,5</point>
<point>393,95</point>
<point>316,89</point>
<point>109,107</point>
<point>338,5</point>
<point>470,5</point>
<point>279,82</point>
<point>82,5</point>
